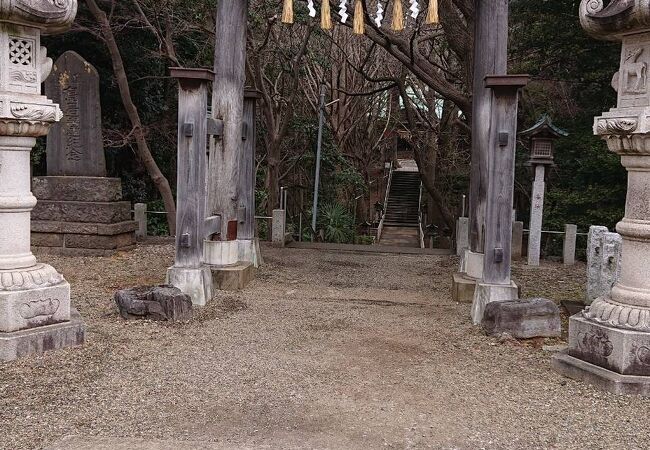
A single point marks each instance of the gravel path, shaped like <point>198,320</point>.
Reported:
<point>324,350</point>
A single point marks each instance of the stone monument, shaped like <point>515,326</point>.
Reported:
<point>79,209</point>
<point>542,136</point>
<point>35,312</point>
<point>609,343</point>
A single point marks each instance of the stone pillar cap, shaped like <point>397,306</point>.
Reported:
<point>618,18</point>
<point>50,16</point>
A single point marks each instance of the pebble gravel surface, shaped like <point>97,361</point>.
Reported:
<point>322,351</point>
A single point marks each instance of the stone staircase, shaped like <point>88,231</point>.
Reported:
<point>401,216</point>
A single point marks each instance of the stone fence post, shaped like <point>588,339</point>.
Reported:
<point>570,237</point>
<point>279,228</point>
<point>140,216</point>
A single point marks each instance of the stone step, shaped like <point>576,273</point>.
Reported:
<point>82,212</point>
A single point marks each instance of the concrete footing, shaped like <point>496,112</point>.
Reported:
<point>487,293</point>
<point>36,341</point>
<point>233,278</point>
<point>462,288</point>
<point>197,283</point>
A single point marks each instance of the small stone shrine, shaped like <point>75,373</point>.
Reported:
<point>542,137</point>
<point>609,343</point>
<point>35,311</point>
<point>80,211</point>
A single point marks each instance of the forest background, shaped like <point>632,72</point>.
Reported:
<point>394,93</point>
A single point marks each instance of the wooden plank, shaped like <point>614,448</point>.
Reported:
<point>227,105</point>
<point>192,141</point>
<point>246,229</point>
<point>490,57</point>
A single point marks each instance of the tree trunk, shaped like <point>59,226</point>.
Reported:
<point>144,153</point>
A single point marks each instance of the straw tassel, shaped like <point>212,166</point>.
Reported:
<point>325,15</point>
<point>432,14</point>
<point>359,25</point>
<point>398,16</point>
<point>287,11</point>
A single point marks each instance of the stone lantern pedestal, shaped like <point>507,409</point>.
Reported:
<point>609,343</point>
<point>35,312</point>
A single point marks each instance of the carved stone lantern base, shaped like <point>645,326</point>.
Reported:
<point>613,359</point>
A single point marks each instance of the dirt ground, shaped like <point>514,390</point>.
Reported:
<point>323,351</point>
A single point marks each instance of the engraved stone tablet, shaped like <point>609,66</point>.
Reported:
<point>74,145</point>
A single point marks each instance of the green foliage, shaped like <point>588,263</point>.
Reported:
<point>572,73</point>
<point>337,224</point>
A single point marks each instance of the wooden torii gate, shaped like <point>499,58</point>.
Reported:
<point>216,247</point>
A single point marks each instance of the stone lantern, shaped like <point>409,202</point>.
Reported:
<point>542,137</point>
<point>609,343</point>
<point>35,313</point>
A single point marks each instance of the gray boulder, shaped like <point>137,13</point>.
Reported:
<point>523,319</point>
<point>154,303</point>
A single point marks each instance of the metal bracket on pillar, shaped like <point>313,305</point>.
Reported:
<point>244,131</point>
<point>498,255</point>
<point>504,139</point>
<point>188,130</point>
<point>241,214</point>
<point>215,127</point>
<point>185,240</point>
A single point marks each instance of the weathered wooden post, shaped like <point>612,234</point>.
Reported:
<point>496,284</point>
<point>609,342</point>
<point>228,255</point>
<point>490,58</point>
<point>542,137</point>
<point>189,272</point>
<point>249,245</point>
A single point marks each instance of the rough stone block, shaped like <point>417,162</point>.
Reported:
<point>47,240</point>
<point>154,303</point>
<point>523,319</point>
<point>36,341</point>
<point>77,189</point>
<point>102,229</point>
<point>99,242</point>
<point>462,288</point>
<point>603,262</point>
<point>84,212</point>
<point>233,278</point>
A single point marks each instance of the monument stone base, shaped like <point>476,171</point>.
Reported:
<point>197,283</point>
<point>606,380</point>
<point>487,293</point>
<point>36,341</point>
<point>81,216</point>
<point>623,351</point>
<point>463,288</point>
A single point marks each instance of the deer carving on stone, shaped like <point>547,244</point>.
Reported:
<point>634,68</point>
